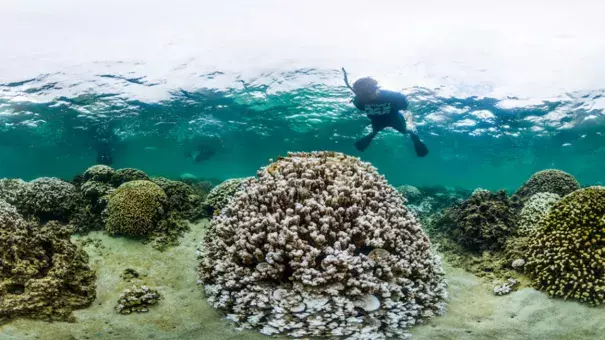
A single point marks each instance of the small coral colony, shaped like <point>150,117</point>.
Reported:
<point>316,244</point>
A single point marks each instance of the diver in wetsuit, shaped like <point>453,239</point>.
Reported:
<point>384,109</point>
<point>103,143</point>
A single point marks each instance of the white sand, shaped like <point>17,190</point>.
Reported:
<point>474,312</point>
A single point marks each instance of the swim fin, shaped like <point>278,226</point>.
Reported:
<point>363,143</point>
<point>421,149</point>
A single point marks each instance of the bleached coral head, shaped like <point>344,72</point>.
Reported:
<point>319,244</point>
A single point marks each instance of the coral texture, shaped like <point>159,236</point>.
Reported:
<point>43,275</point>
<point>410,193</point>
<point>482,222</point>
<point>126,175</point>
<point>219,195</point>
<point>99,173</point>
<point>567,250</point>
<point>553,181</point>
<point>182,198</point>
<point>49,198</point>
<point>534,209</point>
<point>13,190</point>
<point>320,245</point>
<point>137,299</point>
<point>135,208</point>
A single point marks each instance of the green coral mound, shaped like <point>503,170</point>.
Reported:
<point>553,181</point>
<point>219,196</point>
<point>127,175</point>
<point>49,198</point>
<point>135,208</point>
<point>43,275</point>
<point>182,198</point>
<point>482,222</point>
<point>567,251</point>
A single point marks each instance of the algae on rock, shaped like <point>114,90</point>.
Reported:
<point>43,275</point>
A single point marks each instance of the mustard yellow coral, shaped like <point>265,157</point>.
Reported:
<point>135,208</point>
<point>567,250</point>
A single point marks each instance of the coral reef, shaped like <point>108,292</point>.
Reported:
<point>126,175</point>
<point>137,299</point>
<point>13,190</point>
<point>99,173</point>
<point>49,198</point>
<point>410,193</point>
<point>482,222</point>
<point>43,275</point>
<point>135,208</point>
<point>182,198</point>
<point>534,209</point>
<point>320,245</point>
<point>566,251</point>
<point>219,196</point>
<point>553,181</point>
<point>434,199</point>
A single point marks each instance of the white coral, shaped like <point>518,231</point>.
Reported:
<point>536,207</point>
<point>296,252</point>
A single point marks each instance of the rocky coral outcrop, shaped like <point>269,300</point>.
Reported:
<point>13,190</point>
<point>99,173</point>
<point>137,300</point>
<point>483,222</point>
<point>410,193</point>
<point>49,198</point>
<point>320,245</point>
<point>182,198</point>
<point>567,250</point>
<point>551,180</point>
<point>220,195</point>
<point>43,275</point>
<point>122,176</point>
<point>534,209</point>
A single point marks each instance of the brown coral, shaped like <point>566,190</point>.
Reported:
<point>43,275</point>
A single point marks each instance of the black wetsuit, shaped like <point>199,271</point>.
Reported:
<point>383,110</point>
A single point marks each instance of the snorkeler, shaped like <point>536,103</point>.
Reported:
<point>384,109</point>
<point>103,142</point>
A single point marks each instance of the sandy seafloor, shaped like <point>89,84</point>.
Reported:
<point>473,312</point>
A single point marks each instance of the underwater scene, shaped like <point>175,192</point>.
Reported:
<point>252,170</point>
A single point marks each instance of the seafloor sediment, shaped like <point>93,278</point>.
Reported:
<point>183,313</point>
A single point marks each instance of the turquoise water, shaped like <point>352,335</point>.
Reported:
<point>474,141</point>
<point>498,92</point>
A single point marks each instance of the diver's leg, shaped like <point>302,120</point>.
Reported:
<point>364,142</point>
<point>399,124</point>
